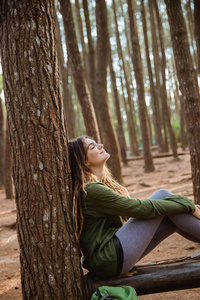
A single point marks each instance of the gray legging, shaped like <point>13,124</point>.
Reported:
<point>138,237</point>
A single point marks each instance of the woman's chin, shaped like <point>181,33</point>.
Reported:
<point>108,156</point>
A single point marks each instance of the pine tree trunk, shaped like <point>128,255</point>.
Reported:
<point>137,63</point>
<point>129,118</point>
<point>101,99</point>
<point>191,25</point>
<point>2,144</point>
<point>80,30</point>
<point>8,169</point>
<point>82,90</point>
<point>164,88</point>
<point>91,54</point>
<point>120,130</point>
<point>157,71</point>
<point>154,94</point>
<point>49,253</point>
<point>66,95</point>
<point>197,29</point>
<point>182,123</point>
<point>120,54</point>
<point>188,85</point>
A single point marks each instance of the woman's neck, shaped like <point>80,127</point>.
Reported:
<point>98,172</point>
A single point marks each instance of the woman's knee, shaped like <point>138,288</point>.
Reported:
<point>161,193</point>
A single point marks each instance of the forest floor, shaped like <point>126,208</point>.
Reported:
<point>169,174</point>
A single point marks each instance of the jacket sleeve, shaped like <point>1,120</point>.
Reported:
<point>101,201</point>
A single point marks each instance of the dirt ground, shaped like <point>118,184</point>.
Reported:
<point>175,176</point>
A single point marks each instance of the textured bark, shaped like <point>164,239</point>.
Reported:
<point>91,54</point>
<point>8,169</point>
<point>82,90</point>
<point>134,144</point>
<point>66,95</point>
<point>2,144</point>
<point>101,99</point>
<point>49,252</point>
<point>197,29</point>
<point>164,88</point>
<point>188,85</point>
<point>154,94</point>
<point>137,64</point>
<point>120,130</point>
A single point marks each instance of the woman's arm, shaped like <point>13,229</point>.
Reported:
<point>101,201</point>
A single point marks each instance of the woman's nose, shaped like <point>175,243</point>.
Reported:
<point>100,146</point>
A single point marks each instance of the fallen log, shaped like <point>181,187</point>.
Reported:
<point>158,155</point>
<point>162,276</point>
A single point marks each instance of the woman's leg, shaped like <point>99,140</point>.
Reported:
<point>136,235</point>
<point>139,237</point>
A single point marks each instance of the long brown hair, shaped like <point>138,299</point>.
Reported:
<point>81,176</point>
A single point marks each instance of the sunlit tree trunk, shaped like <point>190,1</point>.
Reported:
<point>91,54</point>
<point>101,98</point>
<point>2,144</point>
<point>129,118</point>
<point>120,54</point>
<point>188,85</point>
<point>66,95</point>
<point>80,30</point>
<point>137,63</point>
<point>154,94</point>
<point>120,130</point>
<point>164,88</point>
<point>157,70</point>
<point>190,19</point>
<point>8,169</point>
<point>80,83</point>
<point>182,123</point>
<point>49,252</point>
<point>197,29</point>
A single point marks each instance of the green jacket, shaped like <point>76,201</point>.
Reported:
<point>102,208</point>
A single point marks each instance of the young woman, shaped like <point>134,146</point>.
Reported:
<point>108,246</point>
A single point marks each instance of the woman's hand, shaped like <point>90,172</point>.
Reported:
<point>197,211</point>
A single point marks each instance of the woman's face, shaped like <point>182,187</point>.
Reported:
<point>96,155</point>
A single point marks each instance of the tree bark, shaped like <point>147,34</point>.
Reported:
<point>82,90</point>
<point>66,95</point>
<point>188,85</point>
<point>101,99</point>
<point>49,252</point>
<point>197,29</point>
<point>137,63</point>
<point>154,94</point>
<point>2,144</point>
<point>8,169</point>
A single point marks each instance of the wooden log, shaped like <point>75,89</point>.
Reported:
<point>178,274</point>
<point>158,155</point>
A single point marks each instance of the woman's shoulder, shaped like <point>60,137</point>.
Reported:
<point>95,185</point>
